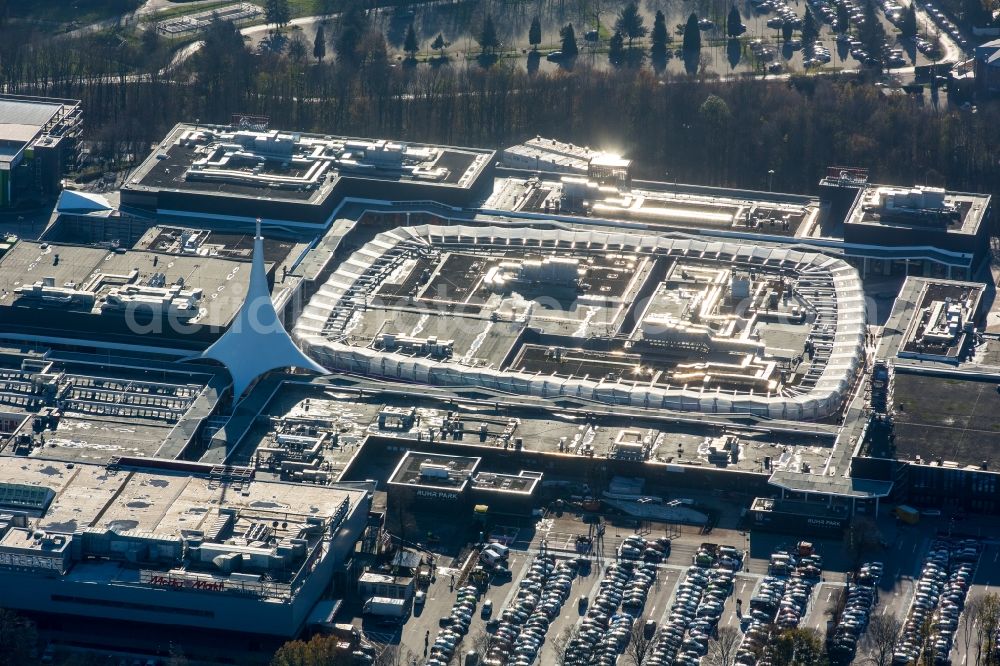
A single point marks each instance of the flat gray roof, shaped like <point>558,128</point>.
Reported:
<point>166,169</point>
<point>102,411</point>
<point>677,443</point>
<point>223,281</point>
<point>947,419</point>
<point>913,296</point>
<point>840,486</point>
<point>459,470</point>
<point>971,209</point>
<point>25,112</point>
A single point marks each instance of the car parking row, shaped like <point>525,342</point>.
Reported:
<point>861,597</point>
<point>757,623</point>
<point>927,47</point>
<point>823,10</point>
<point>816,55</point>
<point>944,621</point>
<point>938,600</point>
<point>945,24</point>
<point>892,11</point>
<point>606,629</point>
<point>763,52</point>
<point>803,569</point>
<point>782,13</point>
<point>520,630</point>
<point>694,616</point>
<point>781,600</point>
<point>635,547</point>
<point>697,607</point>
<point>855,14</point>
<point>454,626</point>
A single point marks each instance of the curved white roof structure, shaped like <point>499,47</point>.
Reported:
<point>831,286</point>
<point>256,342</point>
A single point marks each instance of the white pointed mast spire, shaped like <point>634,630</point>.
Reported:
<point>256,342</point>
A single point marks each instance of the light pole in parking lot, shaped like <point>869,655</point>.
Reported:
<point>770,178</point>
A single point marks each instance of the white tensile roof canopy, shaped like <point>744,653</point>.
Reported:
<point>257,342</point>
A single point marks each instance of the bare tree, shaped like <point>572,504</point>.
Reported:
<point>928,654</point>
<point>988,617</point>
<point>394,654</point>
<point>722,649</point>
<point>560,643</point>
<point>483,644</point>
<point>879,640</point>
<point>970,621</point>
<point>838,602</point>
<point>640,646</point>
<point>861,538</point>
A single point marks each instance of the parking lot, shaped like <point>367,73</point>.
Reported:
<point>422,628</point>
<point>536,608</point>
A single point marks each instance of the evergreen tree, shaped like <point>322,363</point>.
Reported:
<point>535,33</point>
<point>630,23</point>
<point>692,34</point>
<point>787,30</point>
<point>319,44</point>
<point>277,12</point>
<point>908,26</point>
<point>568,35</point>
<point>872,33</point>
<point>799,647</point>
<point>809,29</point>
<point>616,48</point>
<point>150,41</point>
<point>353,26</point>
<point>488,40</point>
<point>439,45</point>
<point>410,43</point>
<point>734,24</point>
<point>843,18</point>
<point>660,36</point>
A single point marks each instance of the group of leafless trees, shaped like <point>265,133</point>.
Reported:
<point>980,624</point>
<point>704,131</point>
<point>977,633</point>
<point>638,650</point>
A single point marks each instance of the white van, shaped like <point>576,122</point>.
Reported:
<point>490,557</point>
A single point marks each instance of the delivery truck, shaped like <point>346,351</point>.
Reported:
<point>386,607</point>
